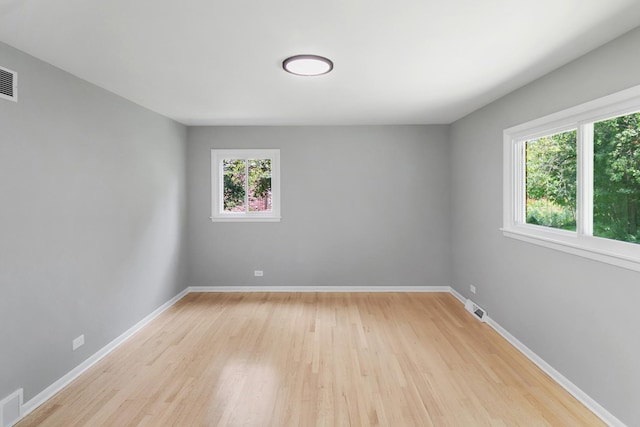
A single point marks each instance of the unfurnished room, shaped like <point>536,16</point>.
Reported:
<point>336,213</point>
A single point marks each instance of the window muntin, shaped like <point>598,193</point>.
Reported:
<point>592,237</point>
<point>245,185</point>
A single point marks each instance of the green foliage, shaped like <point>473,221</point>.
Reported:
<point>235,175</point>
<point>551,180</point>
<point>617,178</point>
<point>550,214</point>
<point>260,177</point>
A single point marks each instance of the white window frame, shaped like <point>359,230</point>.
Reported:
<point>580,242</point>
<point>217,183</point>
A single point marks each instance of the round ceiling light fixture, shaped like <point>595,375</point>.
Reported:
<point>307,65</point>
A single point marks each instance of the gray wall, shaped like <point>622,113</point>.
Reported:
<point>579,315</point>
<point>360,206</point>
<point>92,223</point>
<point>92,214</point>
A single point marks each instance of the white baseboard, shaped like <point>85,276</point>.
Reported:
<point>319,289</point>
<point>50,391</point>
<point>570,387</point>
<point>54,388</point>
<point>576,392</point>
<point>458,295</point>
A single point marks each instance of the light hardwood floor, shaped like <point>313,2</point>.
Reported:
<point>314,359</point>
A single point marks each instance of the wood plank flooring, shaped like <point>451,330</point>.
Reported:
<point>314,359</point>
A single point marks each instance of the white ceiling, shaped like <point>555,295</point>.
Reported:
<point>213,62</point>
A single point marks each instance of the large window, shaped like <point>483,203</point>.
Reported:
<point>245,185</point>
<point>572,180</point>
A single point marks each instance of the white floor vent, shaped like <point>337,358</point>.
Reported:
<point>11,409</point>
<point>476,310</point>
<point>8,84</point>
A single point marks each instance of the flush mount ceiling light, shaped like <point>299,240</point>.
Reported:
<point>307,65</point>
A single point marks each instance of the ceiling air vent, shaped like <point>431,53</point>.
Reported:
<point>8,84</point>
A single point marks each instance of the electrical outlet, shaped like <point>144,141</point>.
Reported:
<point>258,273</point>
<point>78,342</point>
<point>472,289</point>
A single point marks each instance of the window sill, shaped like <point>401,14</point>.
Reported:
<point>621,254</point>
<point>245,219</point>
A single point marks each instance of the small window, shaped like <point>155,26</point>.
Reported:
<point>245,185</point>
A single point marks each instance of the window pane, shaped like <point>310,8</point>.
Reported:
<point>616,178</point>
<point>260,185</point>
<point>234,185</point>
<point>551,181</point>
